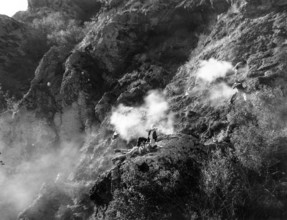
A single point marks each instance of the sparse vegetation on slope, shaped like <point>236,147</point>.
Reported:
<point>221,68</point>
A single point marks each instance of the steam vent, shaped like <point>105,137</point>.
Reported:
<point>144,110</point>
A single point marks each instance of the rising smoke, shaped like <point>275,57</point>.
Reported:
<point>212,69</point>
<point>32,158</point>
<point>133,122</point>
<point>211,77</point>
<point>220,92</point>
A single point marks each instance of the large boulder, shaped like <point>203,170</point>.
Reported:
<point>150,182</point>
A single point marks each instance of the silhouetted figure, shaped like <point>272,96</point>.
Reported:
<point>144,145</point>
<point>1,162</point>
<point>141,141</point>
<point>152,136</point>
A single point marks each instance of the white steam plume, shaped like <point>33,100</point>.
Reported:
<point>220,92</point>
<point>215,92</point>
<point>212,69</point>
<point>133,122</point>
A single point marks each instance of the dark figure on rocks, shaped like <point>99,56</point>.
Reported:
<point>144,145</point>
<point>152,136</point>
<point>1,162</point>
<point>141,141</point>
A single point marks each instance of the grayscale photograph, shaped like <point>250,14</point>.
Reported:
<point>143,109</point>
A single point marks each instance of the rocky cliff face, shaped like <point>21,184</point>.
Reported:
<point>225,158</point>
<point>18,56</point>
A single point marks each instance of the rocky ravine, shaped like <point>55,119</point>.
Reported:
<point>225,160</point>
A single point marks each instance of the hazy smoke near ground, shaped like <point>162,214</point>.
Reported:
<point>220,92</point>
<point>32,157</point>
<point>211,77</point>
<point>133,122</point>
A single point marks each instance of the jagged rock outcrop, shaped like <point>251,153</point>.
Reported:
<point>133,47</point>
<point>110,50</point>
<point>233,40</point>
<point>19,56</point>
<point>164,180</point>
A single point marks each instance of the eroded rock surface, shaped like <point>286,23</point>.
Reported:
<point>160,177</point>
<point>19,56</point>
<point>133,47</point>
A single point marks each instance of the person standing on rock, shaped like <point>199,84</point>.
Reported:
<point>152,136</point>
<point>151,139</point>
<point>144,145</point>
<point>1,162</point>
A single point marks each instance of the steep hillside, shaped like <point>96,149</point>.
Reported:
<point>18,56</point>
<point>210,75</point>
